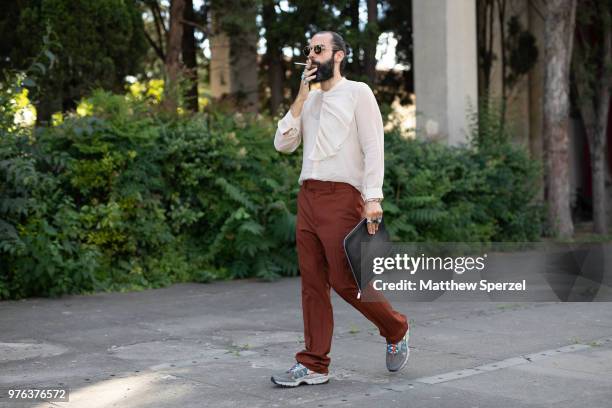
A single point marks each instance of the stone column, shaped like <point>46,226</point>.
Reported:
<point>445,67</point>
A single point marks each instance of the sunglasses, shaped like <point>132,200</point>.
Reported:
<point>317,49</point>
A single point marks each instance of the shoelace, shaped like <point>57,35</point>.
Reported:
<point>393,348</point>
<point>295,367</point>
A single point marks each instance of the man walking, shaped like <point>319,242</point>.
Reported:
<point>340,183</point>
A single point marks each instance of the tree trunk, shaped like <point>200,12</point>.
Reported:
<point>369,56</point>
<point>274,56</point>
<point>234,65</point>
<point>485,9</point>
<point>353,12</point>
<point>594,115</point>
<point>172,63</point>
<point>598,177</point>
<point>501,15</point>
<point>593,95</point>
<point>190,58</point>
<point>558,36</point>
<point>595,122</point>
<point>601,220</point>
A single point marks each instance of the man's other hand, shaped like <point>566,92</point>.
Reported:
<point>373,210</point>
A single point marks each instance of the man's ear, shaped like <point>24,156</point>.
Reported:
<point>343,56</point>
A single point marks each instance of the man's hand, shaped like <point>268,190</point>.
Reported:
<point>298,104</point>
<point>372,210</point>
<point>308,75</point>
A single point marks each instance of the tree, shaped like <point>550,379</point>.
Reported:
<point>101,42</point>
<point>273,60</point>
<point>172,63</point>
<point>518,50</point>
<point>558,39</point>
<point>371,40</point>
<point>397,19</point>
<point>592,69</point>
<point>234,59</point>
<point>189,52</point>
<point>156,39</point>
<point>156,17</point>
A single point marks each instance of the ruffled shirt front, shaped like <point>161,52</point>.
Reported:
<point>343,136</point>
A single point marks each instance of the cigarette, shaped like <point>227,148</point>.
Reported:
<point>299,63</point>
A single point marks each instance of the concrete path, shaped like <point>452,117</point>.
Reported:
<point>216,345</point>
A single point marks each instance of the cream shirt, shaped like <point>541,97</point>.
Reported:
<point>343,135</point>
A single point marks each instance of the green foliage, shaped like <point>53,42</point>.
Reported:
<point>125,199</point>
<point>122,200</point>
<point>479,193</point>
<point>42,251</point>
<point>95,44</point>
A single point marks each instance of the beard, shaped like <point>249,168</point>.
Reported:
<point>325,70</point>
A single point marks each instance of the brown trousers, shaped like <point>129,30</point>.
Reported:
<point>327,211</point>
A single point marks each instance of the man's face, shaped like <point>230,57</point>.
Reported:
<point>323,61</point>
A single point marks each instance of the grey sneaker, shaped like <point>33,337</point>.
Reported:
<point>297,375</point>
<point>398,353</point>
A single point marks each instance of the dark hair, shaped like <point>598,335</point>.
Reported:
<point>338,43</point>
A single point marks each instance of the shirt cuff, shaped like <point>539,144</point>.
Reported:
<point>375,192</point>
<point>289,122</point>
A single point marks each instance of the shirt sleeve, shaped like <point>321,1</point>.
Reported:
<point>371,136</point>
<point>289,133</point>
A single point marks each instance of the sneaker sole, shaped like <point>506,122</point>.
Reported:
<point>308,381</point>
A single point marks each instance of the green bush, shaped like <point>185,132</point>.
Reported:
<point>122,200</point>
<point>127,199</point>
<point>42,250</point>
<point>484,191</point>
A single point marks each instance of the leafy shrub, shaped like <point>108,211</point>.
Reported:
<point>41,246</point>
<point>482,192</point>
<point>126,198</point>
<point>122,200</point>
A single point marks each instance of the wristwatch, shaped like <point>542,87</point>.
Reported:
<point>378,200</point>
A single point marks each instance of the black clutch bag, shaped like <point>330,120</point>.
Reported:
<point>374,245</point>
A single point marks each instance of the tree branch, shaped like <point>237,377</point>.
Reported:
<point>158,50</point>
<point>159,21</point>
<point>200,27</point>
